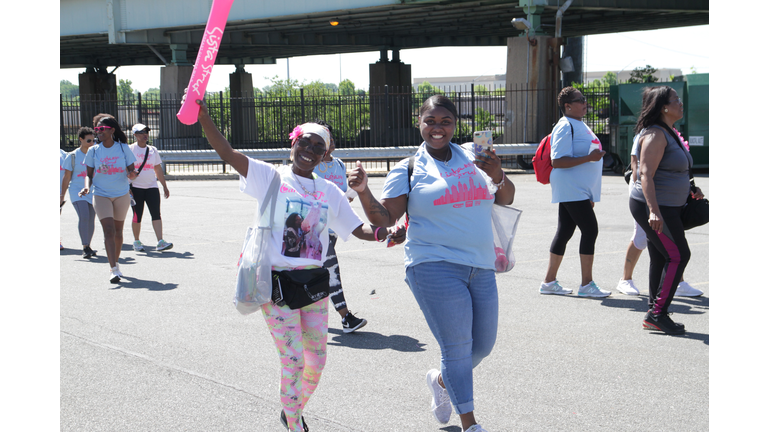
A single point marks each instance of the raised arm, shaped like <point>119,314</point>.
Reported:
<point>237,160</point>
<point>384,213</point>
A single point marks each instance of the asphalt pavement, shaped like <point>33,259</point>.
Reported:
<point>165,349</point>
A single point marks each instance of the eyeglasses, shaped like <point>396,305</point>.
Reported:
<point>581,99</point>
<point>101,128</point>
<point>318,149</point>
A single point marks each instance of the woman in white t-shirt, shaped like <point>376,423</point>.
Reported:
<point>144,188</point>
<point>449,253</point>
<point>300,335</point>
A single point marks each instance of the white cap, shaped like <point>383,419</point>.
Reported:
<point>138,127</point>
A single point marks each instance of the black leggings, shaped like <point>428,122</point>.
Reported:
<point>152,197</point>
<point>332,264</point>
<point>569,216</point>
<point>669,254</point>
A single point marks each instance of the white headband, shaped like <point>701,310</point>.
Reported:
<point>314,128</point>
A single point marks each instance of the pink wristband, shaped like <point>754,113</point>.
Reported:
<point>376,234</point>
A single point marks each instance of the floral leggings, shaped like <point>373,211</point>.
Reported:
<point>300,336</point>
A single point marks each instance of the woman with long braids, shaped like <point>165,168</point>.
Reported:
<point>657,199</point>
<point>308,207</point>
<point>109,171</point>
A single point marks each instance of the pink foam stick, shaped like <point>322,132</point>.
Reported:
<point>206,57</point>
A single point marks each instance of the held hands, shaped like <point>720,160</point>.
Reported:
<point>396,235</point>
<point>358,178</point>
<point>83,192</point>
<point>490,164</point>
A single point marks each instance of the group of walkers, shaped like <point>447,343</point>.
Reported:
<point>659,188</point>
<point>105,176</point>
<point>448,251</point>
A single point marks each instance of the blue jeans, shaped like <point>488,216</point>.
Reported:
<point>461,306</point>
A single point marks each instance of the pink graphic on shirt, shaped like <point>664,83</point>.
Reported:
<point>460,172</point>
<point>464,194</point>
<point>108,166</point>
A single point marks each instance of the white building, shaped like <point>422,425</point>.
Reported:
<point>493,82</point>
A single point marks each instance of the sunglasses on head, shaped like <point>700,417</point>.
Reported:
<point>318,149</point>
<point>101,128</point>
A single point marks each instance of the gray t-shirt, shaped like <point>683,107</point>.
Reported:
<point>671,179</point>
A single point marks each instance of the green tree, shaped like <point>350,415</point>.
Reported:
<point>643,75</point>
<point>124,90</point>
<point>69,90</point>
<point>347,88</point>
<point>610,78</point>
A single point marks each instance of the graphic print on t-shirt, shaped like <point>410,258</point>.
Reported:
<point>304,222</point>
<point>463,194</point>
<point>107,166</point>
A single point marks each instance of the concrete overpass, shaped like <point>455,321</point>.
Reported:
<point>108,33</point>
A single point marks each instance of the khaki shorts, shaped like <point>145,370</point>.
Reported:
<point>115,208</point>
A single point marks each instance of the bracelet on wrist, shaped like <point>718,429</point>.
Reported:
<point>500,184</point>
<point>376,235</point>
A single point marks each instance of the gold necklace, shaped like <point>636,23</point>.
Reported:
<point>314,186</point>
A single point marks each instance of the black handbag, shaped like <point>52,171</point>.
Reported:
<point>299,288</point>
<point>695,212</point>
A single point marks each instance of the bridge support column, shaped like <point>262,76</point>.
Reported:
<point>244,132</point>
<point>98,94</point>
<point>175,135</point>
<point>533,77</point>
<point>390,101</point>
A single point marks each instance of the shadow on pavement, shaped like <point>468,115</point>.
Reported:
<point>451,429</point>
<point>169,254</point>
<point>134,283</point>
<point>374,341</point>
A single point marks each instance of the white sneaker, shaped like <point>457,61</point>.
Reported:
<point>441,402</point>
<point>554,287</point>
<point>163,245</point>
<point>592,290</point>
<point>476,428</point>
<point>684,289</point>
<point>117,267</point>
<point>113,276</point>
<point>137,246</point>
<point>628,287</point>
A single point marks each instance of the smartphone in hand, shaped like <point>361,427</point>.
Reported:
<point>482,140</point>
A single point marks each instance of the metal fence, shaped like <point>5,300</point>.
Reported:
<point>382,117</point>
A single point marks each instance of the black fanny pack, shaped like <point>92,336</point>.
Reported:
<point>299,288</point>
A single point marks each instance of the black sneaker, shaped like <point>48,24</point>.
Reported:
<point>351,323</point>
<point>284,421</point>
<point>662,322</point>
<point>88,252</point>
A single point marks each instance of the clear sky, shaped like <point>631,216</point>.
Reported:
<point>681,48</point>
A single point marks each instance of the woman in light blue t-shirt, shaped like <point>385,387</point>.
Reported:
<point>575,179</point>
<point>75,172</point>
<point>110,167</point>
<point>449,255</point>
